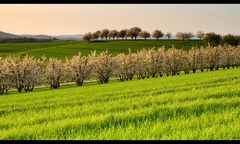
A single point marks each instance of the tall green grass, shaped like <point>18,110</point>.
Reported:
<point>196,106</point>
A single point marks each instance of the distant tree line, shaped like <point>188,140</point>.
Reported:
<point>25,39</point>
<point>24,73</point>
<point>210,38</point>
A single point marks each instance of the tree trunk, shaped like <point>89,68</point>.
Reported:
<point>100,80</point>
<point>138,77</point>
<point>154,76</point>
<point>1,90</point>
<point>19,89</point>
<point>106,80</point>
<point>79,82</point>
<point>6,91</point>
<point>55,85</point>
<point>31,88</point>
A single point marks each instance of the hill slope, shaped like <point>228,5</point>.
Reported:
<point>37,36</point>
<point>69,37</point>
<point>41,36</point>
<point>69,48</point>
<point>196,106</point>
<point>7,35</point>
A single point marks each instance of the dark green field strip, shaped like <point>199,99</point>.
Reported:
<point>63,49</point>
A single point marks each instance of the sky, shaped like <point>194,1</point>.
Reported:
<point>58,19</point>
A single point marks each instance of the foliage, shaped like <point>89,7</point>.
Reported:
<point>88,36</point>
<point>103,66</point>
<point>96,35</point>
<point>53,72</point>
<point>104,33</point>
<point>168,34</point>
<point>113,34</point>
<point>230,40</point>
<point>200,34</point>
<point>184,35</point>
<point>125,66</point>
<point>145,34</point>
<point>79,68</point>
<point>157,34</point>
<point>212,39</point>
<point>122,33</point>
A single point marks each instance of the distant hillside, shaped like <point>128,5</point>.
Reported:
<point>8,35</point>
<point>4,35</point>
<point>69,37</point>
<point>37,36</point>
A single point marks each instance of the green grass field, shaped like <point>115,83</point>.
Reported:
<point>195,106</point>
<point>69,48</point>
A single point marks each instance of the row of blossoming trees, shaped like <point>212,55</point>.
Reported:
<point>27,72</point>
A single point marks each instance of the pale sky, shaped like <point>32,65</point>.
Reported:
<point>56,19</point>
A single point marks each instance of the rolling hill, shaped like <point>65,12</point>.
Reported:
<point>42,36</point>
<point>8,35</point>
<point>69,37</point>
<point>64,49</point>
<point>37,36</point>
